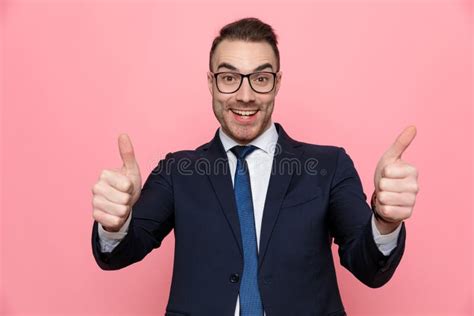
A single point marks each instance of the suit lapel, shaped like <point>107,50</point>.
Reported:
<point>282,171</point>
<point>222,184</point>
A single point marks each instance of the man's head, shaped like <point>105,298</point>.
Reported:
<point>244,105</point>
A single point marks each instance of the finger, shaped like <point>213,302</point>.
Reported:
<point>396,199</point>
<point>101,203</point>
<point>398,185</point>
<point>401,143</point>
<point>399,171</point>
<point>126,151</point>
<point>394,213</point>
<point>117,180</point>
<point>105,219</point>
<point>113,195</point>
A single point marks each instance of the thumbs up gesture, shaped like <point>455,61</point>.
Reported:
<point>117,190</point>
<point>396,184</point>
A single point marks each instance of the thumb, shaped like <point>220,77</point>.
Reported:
<point>126,152</point>
<point>401,144</point>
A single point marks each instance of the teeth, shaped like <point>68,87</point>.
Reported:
<point>245,113</point>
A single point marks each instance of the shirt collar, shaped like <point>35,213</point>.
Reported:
<point>266,141</point>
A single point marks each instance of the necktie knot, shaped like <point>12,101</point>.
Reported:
<point>242,151</point>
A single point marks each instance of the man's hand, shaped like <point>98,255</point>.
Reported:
<point>117,190</point>
<point>396,184</point>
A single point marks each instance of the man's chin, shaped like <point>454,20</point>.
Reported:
<point>244,134</point>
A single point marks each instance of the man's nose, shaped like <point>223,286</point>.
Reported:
<point>245,93</point>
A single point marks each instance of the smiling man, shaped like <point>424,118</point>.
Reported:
<point>254,212</point>
<point>243,107</point>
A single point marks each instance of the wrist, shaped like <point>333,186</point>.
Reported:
<point>111,230</point>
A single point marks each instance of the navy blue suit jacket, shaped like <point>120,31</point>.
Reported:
<point>314,196</point>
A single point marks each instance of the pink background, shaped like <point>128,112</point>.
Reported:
<point>355,73</point>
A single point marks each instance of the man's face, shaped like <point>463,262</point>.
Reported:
<point>243,57</point>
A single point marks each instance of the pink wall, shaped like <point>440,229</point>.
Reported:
<point>355,74</point>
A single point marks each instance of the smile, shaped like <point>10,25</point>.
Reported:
<point>244,113</point>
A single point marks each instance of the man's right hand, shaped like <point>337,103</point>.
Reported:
<point>117,190</point>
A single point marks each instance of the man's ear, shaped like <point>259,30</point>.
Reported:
<point>210,82</point>
<point>278,82</point>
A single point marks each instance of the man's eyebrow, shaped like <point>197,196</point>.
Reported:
<point>264,66</point>
<point>226,65</point>
<point>231,67</point>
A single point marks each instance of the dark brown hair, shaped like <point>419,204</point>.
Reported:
<point>250,30</point>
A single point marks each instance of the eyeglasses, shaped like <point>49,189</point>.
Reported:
<point>230,82</point>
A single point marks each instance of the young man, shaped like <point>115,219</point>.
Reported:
<point>254,212</point>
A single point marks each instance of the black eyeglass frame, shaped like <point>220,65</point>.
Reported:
<point>242,77</point>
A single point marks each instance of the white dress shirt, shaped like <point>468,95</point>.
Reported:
<point>260,165</point>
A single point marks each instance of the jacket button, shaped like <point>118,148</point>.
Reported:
<point>234,278</point>
<point>267,280</point>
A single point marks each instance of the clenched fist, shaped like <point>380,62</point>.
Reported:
<point>396,184</point>
<point>117,190</point>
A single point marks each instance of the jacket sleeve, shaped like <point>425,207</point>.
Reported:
<point>152,220</point>
<point>350,225</point>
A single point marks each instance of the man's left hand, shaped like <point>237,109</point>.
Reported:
<point>396,184</point>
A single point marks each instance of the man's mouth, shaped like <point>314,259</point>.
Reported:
<point>244,113</point>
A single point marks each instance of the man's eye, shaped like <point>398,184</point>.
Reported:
<point>262,79</point>
<point>229,79</point>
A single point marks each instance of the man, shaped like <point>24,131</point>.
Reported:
<point>254,212</point>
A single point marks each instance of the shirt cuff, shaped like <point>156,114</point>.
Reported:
<point>110,240</point>
<point>385,243</point>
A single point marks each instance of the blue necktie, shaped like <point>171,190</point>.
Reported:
<point>250,301</point>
